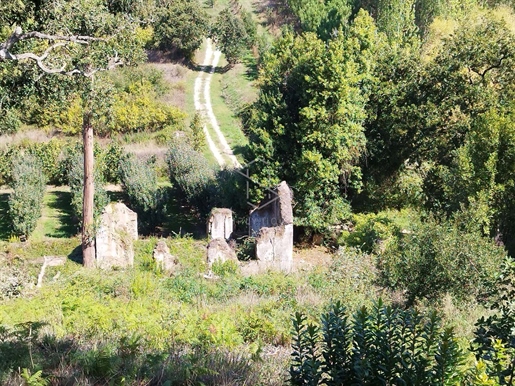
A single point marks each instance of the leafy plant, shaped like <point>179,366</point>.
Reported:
<point>10,122</point>
<point>197,138</point>
<point>35,379</point>
<point>230,34</point>
<point>76,183</point>
<point>181,25</point>
<point>494,338</point>
<point>377,346</point>
<point>192,174</point>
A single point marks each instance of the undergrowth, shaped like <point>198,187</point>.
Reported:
<point>145,326</point>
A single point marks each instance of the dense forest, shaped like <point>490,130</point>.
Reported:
<point>393,122</point>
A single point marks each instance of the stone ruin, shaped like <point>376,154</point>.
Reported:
<point>219,251</point>
<point>116,232</point>
<point>219,224</point>
<point>219,230</point>
<point>164,260</point>
<point>272,226</point>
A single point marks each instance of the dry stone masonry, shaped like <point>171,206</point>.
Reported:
<point>115,235</point>
<point>272,225</point>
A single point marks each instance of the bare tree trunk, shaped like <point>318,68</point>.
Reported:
<point>88,236</point>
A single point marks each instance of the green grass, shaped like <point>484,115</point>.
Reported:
<point>56,220</point>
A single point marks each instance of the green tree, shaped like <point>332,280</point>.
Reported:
<point>451,113</point>
<point>324,18</point>
<point>77,38</point>
<point>307,121</point>
<point>181,25</point>
<point>230,35</point>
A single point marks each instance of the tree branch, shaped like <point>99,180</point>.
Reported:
<point>62,41</point>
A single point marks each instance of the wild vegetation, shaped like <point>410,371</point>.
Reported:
<point>393,123</point>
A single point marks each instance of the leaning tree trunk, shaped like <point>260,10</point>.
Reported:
<point>88,231</point>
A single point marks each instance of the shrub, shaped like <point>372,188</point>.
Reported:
<point>182,25</point>
<point>494,341</point>
<point>197,137</point>
<point>5,165</point>
<point>49,155</point>
<point>380,346</point>
<point>26,201</point>
<point>9,121</point>
<point>109,162</point>
<point>76,183</point>
<point>436,257</point>
<point>192,174</point>
<point>12,282</point>
<point>138,110</point>
<point>373,232</point>
<point>139,180</point>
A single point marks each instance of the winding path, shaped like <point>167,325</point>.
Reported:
<point>218,146</point>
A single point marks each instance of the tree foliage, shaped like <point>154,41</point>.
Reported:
<point>307,124</point>
<point>146,198</point>
<point>453,115</point>
<point>181,25</point>
<point>232,35</point>
<point>437,257</point>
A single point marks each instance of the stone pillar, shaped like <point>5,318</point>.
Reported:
<point>117,230</point>
<point>219,223</point>
<point>272,225</point>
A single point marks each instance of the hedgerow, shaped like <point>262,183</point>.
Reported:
<point>26,200</point>
<point>139,181</point>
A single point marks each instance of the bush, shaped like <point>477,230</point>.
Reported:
<point>76,183</point>
<point>139,180</point>
<point>380,346</point>
<point>373,232</point>
<point>13,281</point>
<point>49,155</point>
<point>182,25</point>
<point>9,121</point>
<point>494,341</point>
<point>6,157</point>
<point>109,161</point>
<point>192,174</point>
<point>25,203</point>
<point>197,137</point>
<point>437,258</point>
<point>139,110</point>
